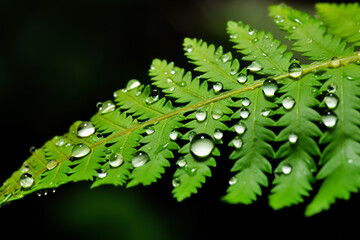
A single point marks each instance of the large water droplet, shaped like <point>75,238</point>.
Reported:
<point>269,88</point>
<point>139,159</point>
<point>132,84</point>
<point>202,145</point>
<point>153,97</point>
<point>244,113</point>
<point>216,114</point>
<point>26,180</point>
<point>295,70</point>
<point>217,87</point>
<point>329,119</point>
<point>237,142</point>
<point>286,169</point>
<point>254,66</point>
<point>51,164</point>
<point>116,159</point>
<point>200,115</point>
<point>240,128</point>
<point>288,103</point>
<point>293,138</point>
<point>85,129</point>
<point>218,134</point>
<point>331,100</point>
<point>80,150</point>
<point>245,102</point>
<point>106,107</point>
<point>242,78</point>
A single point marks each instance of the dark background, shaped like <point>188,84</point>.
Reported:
<point>59,58</point>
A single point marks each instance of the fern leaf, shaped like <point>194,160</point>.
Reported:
<point>342,19</point>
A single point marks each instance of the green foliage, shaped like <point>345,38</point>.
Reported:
<point>287,124</point>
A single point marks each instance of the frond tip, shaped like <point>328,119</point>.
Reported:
<point>297,122</point>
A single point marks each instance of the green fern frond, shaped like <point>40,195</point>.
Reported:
<point>275,113</point>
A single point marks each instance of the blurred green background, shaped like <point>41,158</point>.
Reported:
<point>59,58</point>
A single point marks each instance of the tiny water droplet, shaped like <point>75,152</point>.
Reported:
<point>115,160</point>
<point>329,119</point>
<point>217,87</point>
<point>181,162</point>
<point>335,62</point>
<point>153,97</point>
<point>172,72</point>
<point>106,107</point>
<point>85,129</point>
<point>176,182</point>
<point>242,78</point>
<point>189,48</point>
<point>232,72</point>
<point>132,84</point>
<point>265,112</point>
<point>295,70</point>
<point>237,142</point>
<point>80,150</point>
<point>226,57</point>
<point>288,103</point>
<point>218,134</point>
<point>331,100</point>
<point>149,130</point>
<point>254,66</point>
<point>233,181</point>
<point>139,159</point>
<point>182,84</point>
<point>59,141</point>
<point>240,128</point>
<point>244,113</point>
<point>251,31</point>
<point>191,135</point>
<point>32,149</point>
<point>202,145</point>
<point>191,171</point>
<point>216,114</point>
<point>245,102</point>
<point>293,138</point>
<point>269,88</point>
<point>286,169</point>
<point>26,180</point>
<point>102,173</point>
<point>51,164</point>
<point>331,88</point>
<point>174,134</point>
<point>200,115</point>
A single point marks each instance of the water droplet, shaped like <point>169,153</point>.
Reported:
<point>139,159</point>
<point>51,164</point>
<point>132,84</point>
<point>202,145</point>
<point>216,114</point>
<point>335,62</point>
<point>295,70</point>
<point>232,72</point>
<point>191,135</point>
<point>172,72</point>
<point>288,103</point>
<point>286,169</point>
<point>217,87</point>
<point>237,142</point>
<point>149,130</point>
<point>242,78</point>
<point>331,100</point>
<point>265,112</point>
<point>174,134</point>
<point>153,97</point>
<point>59,141</point>
<point>240,128</point>
<point>251,31</point>
<point>176,182</point>
<point>233,181</point>
<point>244,113</point>
<point>80,150</point>
<point>85,129</point>
<point>189,48</point>
<point>329,119</point>
<point>106,107</point>
<point>200,115</point>
<point>245,102</point>
<point>102,173</point>
<point>254,66</point>
<point>32,149</point>
<point>182,84</point>
<point>226,57</point>
<point>191,171</point>
<point>26,180</point>
<point>293,138</point>
<point>331,88</point>
<point>269,88</point>
<point>116,159</point>
<point>218,134</point>
<point>181,162</point>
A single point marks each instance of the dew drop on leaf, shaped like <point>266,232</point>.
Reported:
<point>189,48</point>
<point>331,100</point>
<point>288,103</point>
<point>329,119</point>
<point>335,62</point>
<point>286,169</point>
<point>32,149</point>
<point>269,88</point>
<point>115,160</point>
<point>132,84</point>
<point>216,114</point>
<point>106,107</point>
<point>245,102</point>
<point>202,145</point>
<point>295,70</point>
<point>59,141</point>
<point>181,162</point>
<point>175,182</point>
<point>237,142</point>
<point>149,130</point>
<point>218,134</point>
<point>102,173</point>
<point>240,128</point>
<point>265,112</point>
<point>232,72</point>
<point>174,134</point>
<point>26,180</point>
<point>191,135</point>
<point>293,138</point>
<point>85,129</point>
<point>200,115</point>
<point>226,57</point>
<point>217,87</point>
<point>51,164</point>
<point>139,159</point>
<point>244,113</point>
<point>80,150</point>
<point>242,78</point>
<point>233,180</point>
<point>191,171</point>
<point>254,66</point>
<point>331,88</point>
<point>153,97</point>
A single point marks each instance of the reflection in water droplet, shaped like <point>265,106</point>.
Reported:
<point>244,113</point>
<point>191,171</point>
<point>216,114</point>
<point>329,119</point>
<point>132,84</point>
<point>116,159</point>
<point>51,164</point>
<point>80,150</point>
<point>85,129</point>
<point>153,97</point>
<point>26,180</point>
<point>32,149</point>
<point>242,78</point>
<point>254,66</point>
<point>233,181</point>
<point>269,88</point>
<point>189,48</point>
<point>288,103</point>
<point>237,142</point>
<point>293,138</point>
<point>59,141</point>
<point>286,169</point>
<point>200,115</point>
<point>217,87</point>
<point>174,134</point>
<point>240,128</point>
<point>226,57</point>
<point>218,134</point>
<point>331,100</point>
<point>202,145</point>
<point>331,88</point>
<point>181,162</point>
<point>245,102</point>
<point>139,159</point>
<point>149,130</point>
<point>265,112</point>
<point>176,182</point>
<point>295,70</point>
<point>106,107</point>
<point>102,173</point>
